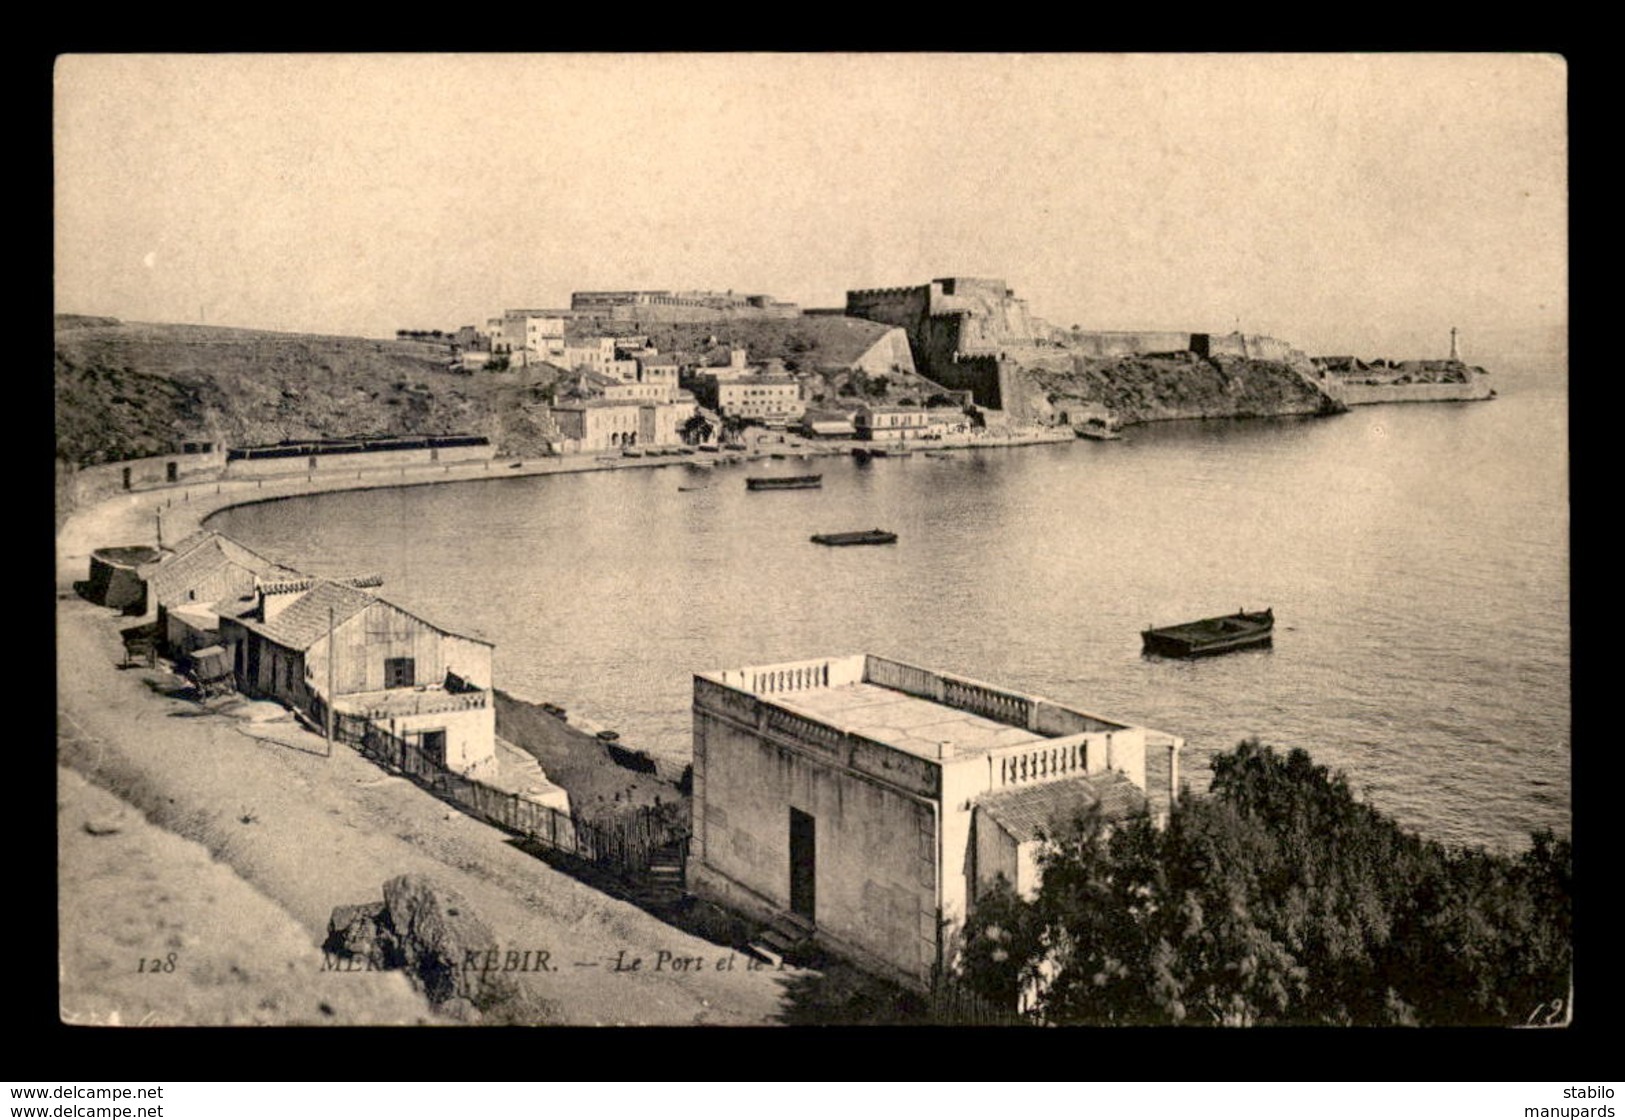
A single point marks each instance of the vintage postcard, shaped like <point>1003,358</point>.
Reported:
<point>845,539</point>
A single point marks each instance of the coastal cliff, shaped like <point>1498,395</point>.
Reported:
<point>126,390</point>
<point>1140,389</point>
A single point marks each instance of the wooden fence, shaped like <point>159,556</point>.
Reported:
<point>952,1005</point>
<point>625,845</point>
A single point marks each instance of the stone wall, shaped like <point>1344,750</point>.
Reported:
<point>92,484</point>
<point>339,462</point>
<point>1355,394</point>
<point>1114,344</point>
<point>901,307</point>
<point>982,377</point>
<point>875,846</point>
<point>891,350</point>
<point>1258,347</point>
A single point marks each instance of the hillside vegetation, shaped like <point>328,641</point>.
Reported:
<point>1279,899</point>
<point>1136,389</point>
<point>124,390</point>
<point>804,345</point>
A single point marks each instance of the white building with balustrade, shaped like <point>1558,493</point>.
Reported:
<point>862,803</point>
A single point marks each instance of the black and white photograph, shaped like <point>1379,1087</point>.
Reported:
<point>791,539</point>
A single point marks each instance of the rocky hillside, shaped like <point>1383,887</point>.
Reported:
<point>125,390</point>
<point>1138,389</point>
<point>804,345</point>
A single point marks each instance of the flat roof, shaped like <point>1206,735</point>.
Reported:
<point>908,723</point>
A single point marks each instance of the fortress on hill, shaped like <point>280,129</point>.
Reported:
<point>974,333</point>
<point>679,307</point>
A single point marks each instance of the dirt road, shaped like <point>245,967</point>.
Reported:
<point>312,832</point>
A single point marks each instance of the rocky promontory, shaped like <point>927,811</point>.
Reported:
<point>1137,389</point>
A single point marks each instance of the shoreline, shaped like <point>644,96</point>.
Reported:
<point>175,511</point>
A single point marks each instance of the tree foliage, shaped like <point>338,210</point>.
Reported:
<point>1279,898</point>
<point>696,429</point>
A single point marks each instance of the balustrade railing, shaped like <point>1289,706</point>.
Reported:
<point>1043,762</point>
<point>424,704</point>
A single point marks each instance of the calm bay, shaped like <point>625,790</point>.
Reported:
<point>1416,557</point>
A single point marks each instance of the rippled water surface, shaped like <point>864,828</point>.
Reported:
<point>1416,557</point>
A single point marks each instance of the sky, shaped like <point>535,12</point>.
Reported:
<point>1348,203</point>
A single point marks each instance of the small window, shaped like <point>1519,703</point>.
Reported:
<point>399,672</point>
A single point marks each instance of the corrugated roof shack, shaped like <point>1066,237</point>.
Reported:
<point>411,678</point>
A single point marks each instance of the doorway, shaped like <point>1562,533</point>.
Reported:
<point>803,863</point>
<point>434,746</point>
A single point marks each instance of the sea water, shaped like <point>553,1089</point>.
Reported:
<point>1416,558</point>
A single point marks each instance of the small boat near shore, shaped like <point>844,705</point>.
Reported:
<point>865,536</point>
<point>1212,635</point>
<point>786,482</point>
<point>1096,431</point>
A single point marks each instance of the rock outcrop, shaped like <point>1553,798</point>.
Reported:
<point>432,933</point>
<point>1138,389</point>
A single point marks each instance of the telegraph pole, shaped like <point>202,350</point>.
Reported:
<point>331,653</point>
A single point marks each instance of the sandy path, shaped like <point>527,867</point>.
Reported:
<point>312,832</point>
<point>154,932</point>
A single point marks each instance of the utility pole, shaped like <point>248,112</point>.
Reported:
<point>331,653</point>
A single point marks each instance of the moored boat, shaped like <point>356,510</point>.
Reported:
<point>1096,431</point>
<point>786,482</point>
<point>1211,635</point>
<point>865,536</point>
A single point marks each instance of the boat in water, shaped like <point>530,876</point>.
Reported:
<point>786,482</point>
<point>1096,430</point>
<point>1212,635</point>
<point>865,536</point>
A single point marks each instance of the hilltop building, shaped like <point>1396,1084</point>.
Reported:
<point>864,802</point>
<point>951,318</point>
<point>973,334</point>
<point>530,333</point>
<point>678,306</point>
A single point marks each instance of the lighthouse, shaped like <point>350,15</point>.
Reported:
<point>1455,352</point>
